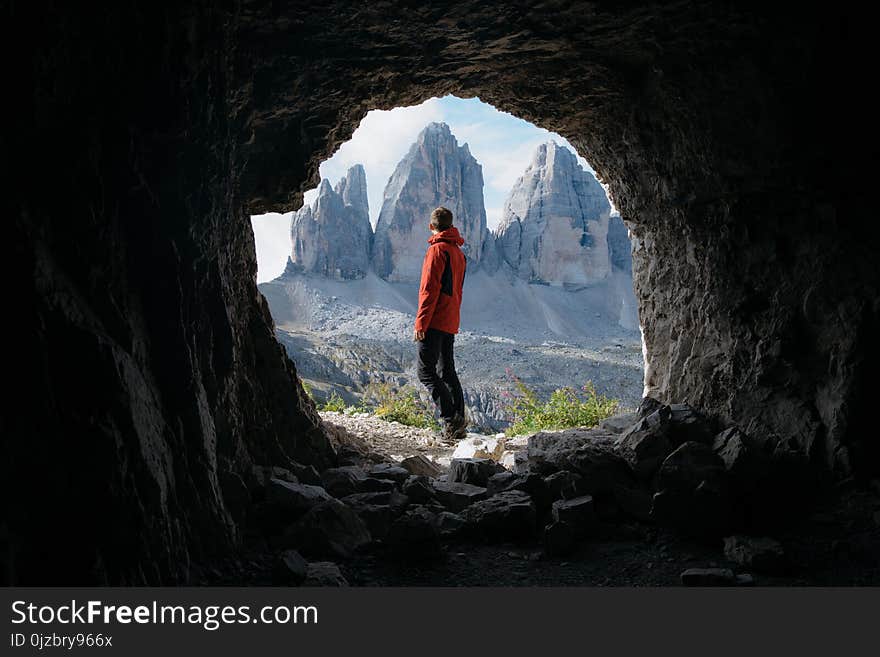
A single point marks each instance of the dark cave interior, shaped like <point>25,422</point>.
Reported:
<point>147,379</point>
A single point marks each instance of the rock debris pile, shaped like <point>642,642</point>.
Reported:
<point>396,492</point>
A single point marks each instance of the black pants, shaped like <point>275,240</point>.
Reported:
<point>437,372</point>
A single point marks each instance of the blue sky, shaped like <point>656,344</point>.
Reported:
<point>502,143</point>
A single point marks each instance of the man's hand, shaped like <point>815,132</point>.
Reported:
<point>418,336</point>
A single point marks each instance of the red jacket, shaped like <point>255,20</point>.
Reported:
<point>442,281</point>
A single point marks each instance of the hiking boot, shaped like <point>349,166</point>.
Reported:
<point>455,429</point>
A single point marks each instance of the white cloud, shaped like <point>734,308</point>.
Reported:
<point>272,237</point>
<point>493,216</point>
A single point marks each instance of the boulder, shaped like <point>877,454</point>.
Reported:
<point>418,489</point>
<point>378,510</point>
<point>564,484</point>
<point>476,446</point>
<point>746,464</point>
<point>703,512</point>
<point>745,579</point>
<point>532,484</point>
<point>291,568</point>
<point>688,466</point>
<point>378,518</point>
<point>634,502</point>
<point>708,577</point>
<point>508,515</point>
<point>475,471</point>
<point>259,478</point>
<point>396,473</point>
<point>579,512</point>
<point>449,524</point>
<point>687,425</point>
<point>647,406</point>
<point>560,539</point>
<point>763,554</point>
<point>343,480</point>
<point>456,496</point>
<point>295,498</point>
<point>387,497</point>
<point>645,445</point>
<point>324,573</point>
<point>375,485</point>
<point>307,474</point>
<point>421,465</point>
<point>330,527</point>
<point>415,534</point>
<point>618,424</point>
<point>693,494</point>
<point>588,453</point>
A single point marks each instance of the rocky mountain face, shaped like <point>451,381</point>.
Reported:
<point>555,223</point>
<point>332,237</point>
<point>619,245</point>
<point>436,171</point>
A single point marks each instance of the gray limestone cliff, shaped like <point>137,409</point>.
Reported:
<point>332,237</point>
<point>619,245</point>
<point>436,171</point>
<point>554,228</point>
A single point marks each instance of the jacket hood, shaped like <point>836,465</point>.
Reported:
<point>451,234</point>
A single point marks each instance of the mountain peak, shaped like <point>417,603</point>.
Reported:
<point>332,236</point>
<point>324,188</point>
<point>435,171</point>
<point>555,223</point>
<point>436,127</point>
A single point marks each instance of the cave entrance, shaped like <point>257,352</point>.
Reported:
<point>548,299</point>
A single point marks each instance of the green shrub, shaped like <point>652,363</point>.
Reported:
<point>401,405</point>
<point>564,409</point>
<point>308,388</point>
<point>334,403</point>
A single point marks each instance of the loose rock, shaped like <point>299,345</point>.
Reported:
<point>415,535</point>
<point>456,496</point>
<point>295,498</point>
<point>421,465</point>
<point>564,484</point>
<point>708,577</point>
<point>579,512</point>
<point>291,567</point>
<point>324,573</point>
<point>396,473</point>
<point>762,554</point>
<point>475,471</point>
<point>330,527</point>
<point>646,444</point>
<point>418,489</point>
<point>476,446</point>
<point>688,466</point>
<point>508,515</point>
<point>342,481</point>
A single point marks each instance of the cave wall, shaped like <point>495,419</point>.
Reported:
<point>148,376</point>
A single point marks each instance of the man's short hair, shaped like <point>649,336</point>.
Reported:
<point>441,218</point>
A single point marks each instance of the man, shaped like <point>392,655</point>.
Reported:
<point>437,320</point>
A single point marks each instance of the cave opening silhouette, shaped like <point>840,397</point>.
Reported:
<point>149,384</point>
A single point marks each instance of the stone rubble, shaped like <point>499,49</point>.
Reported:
<point>577,484</point>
